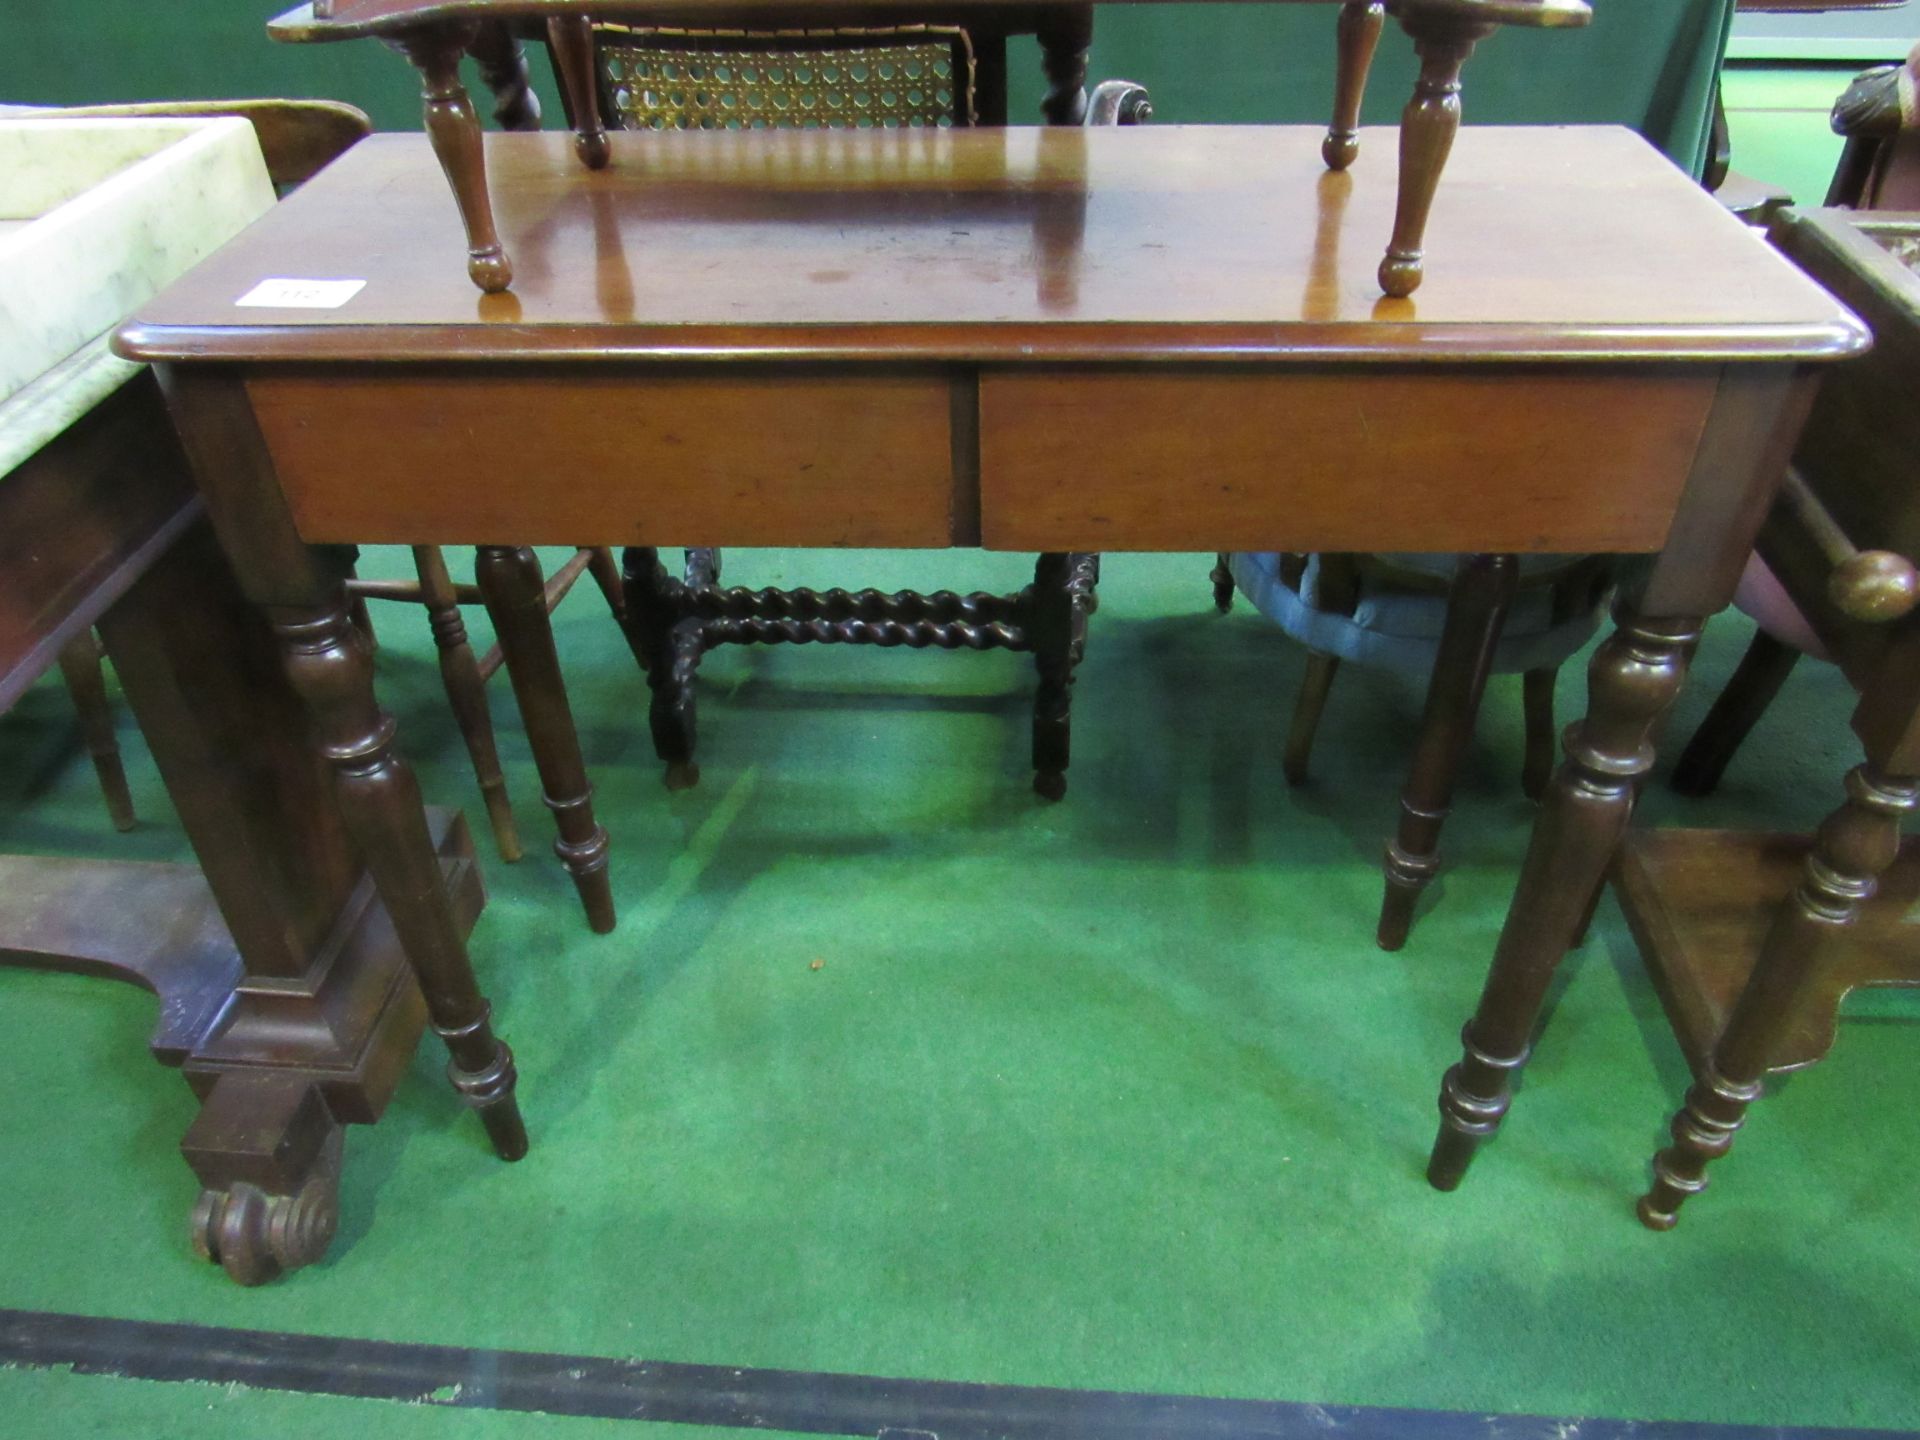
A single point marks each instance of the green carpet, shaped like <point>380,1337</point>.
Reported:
<point>1114,1093</point>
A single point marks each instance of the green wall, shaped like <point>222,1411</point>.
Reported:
<point>1203,62</point>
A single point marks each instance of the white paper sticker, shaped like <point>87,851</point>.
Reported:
<point>301,294</point>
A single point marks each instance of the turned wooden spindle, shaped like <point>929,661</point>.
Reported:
<point>1358,36</point>
<point>454,130</point>
<point>503,70</point>
<point>571,38</point>
<point>466,694</point>
<point>1631,681</point>
<point>1065,36</point>
<point>1873,586</point>
<point>1427,128</point>
<point>379,802</point>
<point>1477,604</point>
<point>514,592</point>
<point>1852,849</point>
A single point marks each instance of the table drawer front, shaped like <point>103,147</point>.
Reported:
<point>566,458</point>
<point>1355,459</point>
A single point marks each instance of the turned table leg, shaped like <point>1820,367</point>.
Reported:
<point>1427,128</point>
<point>1852,849</point>
<point>1632,680</point>
<point>1477,606</point>
<point>380,802</point>
<point>1065,35</point>
<point>515,595</point>
<point>571,37</point>
<point>454,129</point>
<point>1359,36</point>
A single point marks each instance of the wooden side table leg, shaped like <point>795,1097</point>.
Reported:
<point>1852,849</point>
<point>1065,35</point>
<point>87,688</point>
<point>1477,606</point>
<point>467,695</point>
<point>515,596</point>
<point>380,803</point>
<point>454,129</point>
<point>1358,35</point>
<point>1427,128</point>
<point>1632,680</point>
<point>571,37</point>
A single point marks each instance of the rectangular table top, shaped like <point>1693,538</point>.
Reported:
<point>1151,244</point>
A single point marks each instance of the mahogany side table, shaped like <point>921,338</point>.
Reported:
<point>1033,339</point>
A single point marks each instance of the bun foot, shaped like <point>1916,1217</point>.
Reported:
<point>1400,275</point>
<point>1339,150</point>
<point>593,148</point>
<point>490,270</point>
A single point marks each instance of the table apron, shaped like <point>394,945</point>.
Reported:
<point>1541,458</point>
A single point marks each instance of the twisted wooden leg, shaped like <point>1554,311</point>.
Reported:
<point>671,647</point>
<point>1477,605</point>
<point>1427,128</point>
<point>1222,578</point>
<point>515,596</point>
<point>1734,713</point>
<point>466,695</point>
<point>1065,36</point>
<point>1536,696</point>
<point>87,688</point>
<point>454,130</point>
<point>1359,35</point>
<point>571,37</point>
<point>1063,601</point>
<point>1852,849</point>
<point>503,70</point>
<point>1307,709</point>
<point>380,804</point>
<point>1632,680</point>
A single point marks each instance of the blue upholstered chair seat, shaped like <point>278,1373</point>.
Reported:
<point>1399,627</point>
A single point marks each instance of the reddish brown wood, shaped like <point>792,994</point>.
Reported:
<point>1358,35</point>
<point>1427,130</point>
<point>571,37</point>
<point>454,130</point>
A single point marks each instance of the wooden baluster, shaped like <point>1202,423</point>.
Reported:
<point>571,37</point>
<point>87,687</point>
<point>1852,849</point>
<point>503,69</point>
<point>466,694</point>
<point>515,596</point>
<point>1427,128</point>
<point>1477,605</point>
<point>1065,35</point>
<point>1633,678</point>
<point>669,646</point>
<point>380,803</point>
<point>1359,36</point>
<point>454,129</point>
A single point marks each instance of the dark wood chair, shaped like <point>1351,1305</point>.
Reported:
<point>1879,169</point>
<point>942,69</point>
<point>1753,940</point>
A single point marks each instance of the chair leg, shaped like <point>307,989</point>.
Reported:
<point>606,574</point>
<point>1063,599</point>
<point>87,687</point>
<point>1536,697</point>
<point>669,648</point>
<point>1854,846</point>
<point>1477,604</point>
<point>363,624</point>
<point>1306,714</point>
<point>515,597</point>
<point>1222,578</point>
<point>1761,673</point>
<point>467,695</point>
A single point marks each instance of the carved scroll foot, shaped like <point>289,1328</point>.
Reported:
<point>1477,604</point>
<point>1632,680</point>
<point>1427,128</point>
<point>454,130</point>
<point>1852,849</point>
<point>1359,35</point>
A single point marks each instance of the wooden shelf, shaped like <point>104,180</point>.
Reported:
<point>1699,903</point>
